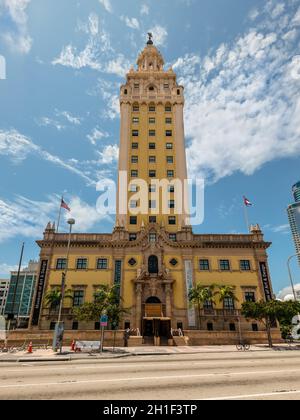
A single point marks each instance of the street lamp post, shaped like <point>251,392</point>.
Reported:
<point>290,275</point>
<point>59,329</point>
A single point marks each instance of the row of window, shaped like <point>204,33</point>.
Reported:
<point>152,159</point>
<point>151,108</point>
<point>82,264</point>
<point>152,133</point>
<point>153,219</point>
<point>152,204</point>
<point>224,265</point>
<point>152,188</point>
<point>152,173</point>
<point>151,120</point>
<point>152,146</point>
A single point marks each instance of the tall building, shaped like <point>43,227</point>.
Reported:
<point>152,256</point>
<point>4,287</point>
<point>20,293</point>
<point>294,218</point>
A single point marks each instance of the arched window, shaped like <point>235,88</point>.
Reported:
<point>153,264</point>
<point>153,300</point>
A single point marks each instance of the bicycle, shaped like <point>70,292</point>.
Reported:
<point>243,347</point>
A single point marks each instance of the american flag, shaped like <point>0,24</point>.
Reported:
<point>247,202</point>
<point>64,205</point>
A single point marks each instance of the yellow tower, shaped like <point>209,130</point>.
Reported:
<point>152,147</point>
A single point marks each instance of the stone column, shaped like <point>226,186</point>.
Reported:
<point>181,164</point>
<point>123,163</point>
<point>168,301</point>
<point>138,308</point>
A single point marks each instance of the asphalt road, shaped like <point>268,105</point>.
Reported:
<point>254,376</point>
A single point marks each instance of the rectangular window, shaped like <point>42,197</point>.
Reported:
<point>82,264</point>
<point>250,297</point>
<point>132,237</point>
<point>135,146</point>
<point>224,265</point>
<point>133,220</point>
<point>173,237</point>
<point>254,327</point>
<point>169,146</point>
<point>133,188</point>
<point>169,133</point>
<point>135,120</point>
<point>172,220</point>
<point>78,298</point>
<point>171,188</point>
<point>168,120</point>
<point>166,86</point>
<point>133,204</point>
<point>152,146</point>
<point>152,219</point>
<point>152,204</point>
<point>134,174</point>
<point>245,265</point>
<point>208,305</point>
<point>152,174</point>
<point>170,159</point>
<point>75,325</point>
<point>229,304</point>
<point>102,264</point>
<point>152,237</point>
<point>152,108</point>
<point>152,120</point>
<point>152,159</point>
<point>134,159</point>
<point>136,108</point>
<point>152,188</point>
<point>61,264</point>
<point>170,174</point>
<point>204,265</point>
<point>136,86</point>
<point>135,133</point>
<point>232,327</point>
<point>168,108</point>
<point>152,133</point>
<point>210,326</point>
<point>171,204</point>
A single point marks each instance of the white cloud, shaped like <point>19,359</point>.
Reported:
<point>109,155</point>
<point>98,53</point>
<point>29,218</point>
<point>145,9</point>
<point>132,23</point>
<point>19,39</point>
<point>242,103</point>
<point>50,122</point>
<point>86,216</point>
<point>96,135</point>
<point>296,19</point>
<point>107,5</point>
<point>5,269</point>
<point>69,117</point>
<point>283,229</point>
<point>18,147</point>
<point>287,293</point>
<point>160,35</point>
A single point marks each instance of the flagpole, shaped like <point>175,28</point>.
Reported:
<point>247,218</point>
<point>59,214</point>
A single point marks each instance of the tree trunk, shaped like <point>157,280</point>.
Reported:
<point>199,313</point>
<point>269,334</point>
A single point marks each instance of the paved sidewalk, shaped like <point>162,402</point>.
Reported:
<point>67,355</point>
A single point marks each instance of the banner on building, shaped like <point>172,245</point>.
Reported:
<point>39,294</point>
<point>189,286</point>
<point>266,281</point>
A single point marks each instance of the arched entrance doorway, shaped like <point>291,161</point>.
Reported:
<point>156,328</point>
<point>153,264</point>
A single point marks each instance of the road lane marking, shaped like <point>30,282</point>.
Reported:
<point>149,378</point>
<point>240,397</point>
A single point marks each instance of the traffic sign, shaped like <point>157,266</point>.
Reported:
<point>104,321</point>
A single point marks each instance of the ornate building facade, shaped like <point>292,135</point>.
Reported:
<point>153,256</point>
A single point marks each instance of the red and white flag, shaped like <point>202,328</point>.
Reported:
<point>247,202</point>
<point>64,205</point>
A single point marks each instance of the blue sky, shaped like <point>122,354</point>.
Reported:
<point>59,119</point>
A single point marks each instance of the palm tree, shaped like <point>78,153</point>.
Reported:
<point>53,298</point>
<point>226,293</point>
<point>199,295</point>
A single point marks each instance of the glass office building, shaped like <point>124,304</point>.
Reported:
<point>20,293</point>
<point>294,218</point>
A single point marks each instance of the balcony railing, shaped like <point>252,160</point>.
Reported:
<point>221,312</point>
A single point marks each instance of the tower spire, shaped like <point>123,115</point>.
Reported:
<point>150,38</point>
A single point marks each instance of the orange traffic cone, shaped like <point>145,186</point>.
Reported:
<point>73,345</point>
<point>29,350</point>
